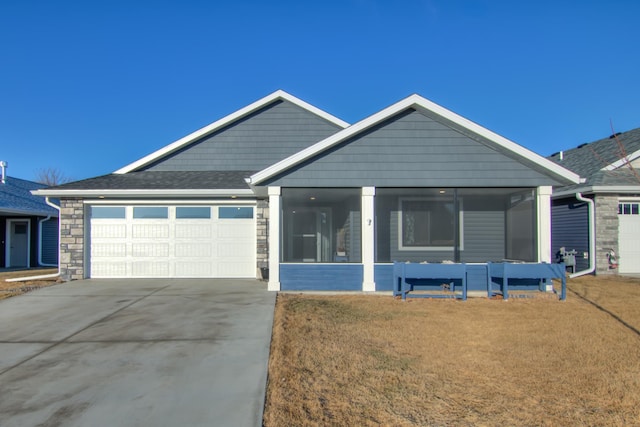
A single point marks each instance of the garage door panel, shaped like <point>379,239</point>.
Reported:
<point>187,231</point>
<point>111,250</point>
<point>197,250</point>
<point>236,229</point>
<point>108,231</point>
<point>150,231</point>
<point>149,269</point>
<point>150,250</point>
<point>109,269</point>
<point>172,247</point>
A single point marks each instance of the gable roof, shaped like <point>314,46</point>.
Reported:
<point>603,154</point>
<point>16,198</point>
<point>418,103</point>
<point>181,143</point>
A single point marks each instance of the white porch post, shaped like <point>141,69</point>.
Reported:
<point>544,223</point>
<point>368,238</point>
<point>274,239</point>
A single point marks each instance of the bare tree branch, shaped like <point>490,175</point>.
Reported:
<point>51,176</point>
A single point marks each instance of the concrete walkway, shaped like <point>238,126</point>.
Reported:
<point>161,352</point>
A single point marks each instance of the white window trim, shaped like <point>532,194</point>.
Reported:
<point>401,247</point>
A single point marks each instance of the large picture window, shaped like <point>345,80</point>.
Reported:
<point>427,223</point>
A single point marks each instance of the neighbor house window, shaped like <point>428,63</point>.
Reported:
<point>108,212</point>
<point>151,212</point>
<point>228,212</point>
<point>183,212</point>
<point>427,223</point>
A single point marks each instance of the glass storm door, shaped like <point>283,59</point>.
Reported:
<point>310,235</point>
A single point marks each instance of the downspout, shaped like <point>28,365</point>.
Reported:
<point>44,276</point>
<point>592,238</point>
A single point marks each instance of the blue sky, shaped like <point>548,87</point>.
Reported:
<point>87,87</point>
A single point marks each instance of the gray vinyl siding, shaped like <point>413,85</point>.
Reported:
<point>50,241</point>
<point>252,143</point>
<point>414,150</point>
<point>484,236</point>
<point>570,229</point>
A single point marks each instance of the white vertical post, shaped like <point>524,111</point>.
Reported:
<point>368,238</point>
<point>544,223</point>
<point>274,239</point>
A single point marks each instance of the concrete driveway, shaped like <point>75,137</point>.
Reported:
<point>145,352</point>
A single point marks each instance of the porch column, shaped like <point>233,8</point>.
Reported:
<point>368,238</point>
<point>274,239</point>
<point>543,203</point>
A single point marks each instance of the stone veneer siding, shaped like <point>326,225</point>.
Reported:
<point>606,207</point>
<point>72,239</point>
<point>262,236</point>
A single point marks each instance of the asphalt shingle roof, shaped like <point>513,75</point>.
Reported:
<point>588,159</point>
<point>16,197</point>
<point>156,180</point>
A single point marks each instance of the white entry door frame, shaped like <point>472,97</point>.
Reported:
<point>18,243</point>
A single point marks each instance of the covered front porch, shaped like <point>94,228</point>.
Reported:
<point>347,239</point>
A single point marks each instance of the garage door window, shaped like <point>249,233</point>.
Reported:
<point>628,208</point>
<point>235,212</point>
<point>108,212</point>
<point>184,212</point>
<point>146,212</point>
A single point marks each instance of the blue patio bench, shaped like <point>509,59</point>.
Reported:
<point>403,272</point>
<point>543,272</point>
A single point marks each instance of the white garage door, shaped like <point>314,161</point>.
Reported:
<point>629,237</point>
<point>173,241</point>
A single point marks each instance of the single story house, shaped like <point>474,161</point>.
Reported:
<point>28,225</point>
<point>283,190</point>
<point>599,219</point>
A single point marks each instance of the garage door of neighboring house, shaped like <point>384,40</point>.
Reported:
<point>173,241</point>
<point>629,237</point>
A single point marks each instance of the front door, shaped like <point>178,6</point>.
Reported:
<point>310,235</point>
<point>18,243</point>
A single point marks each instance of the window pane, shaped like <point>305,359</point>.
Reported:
<point>427,223</point>
<point>235,212</point>
<point>193,212</point>
<point>114,212</point>
<point>145,212</point>
<point>634,209</point>
<point>321,225</point>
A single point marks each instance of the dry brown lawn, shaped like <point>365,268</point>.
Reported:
<point>374,360</point>
<point>9,289</point>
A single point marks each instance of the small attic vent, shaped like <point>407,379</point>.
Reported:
<point>615,134</point>
<point>583,145</point>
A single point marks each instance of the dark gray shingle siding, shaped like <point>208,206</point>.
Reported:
<point>152,180</point>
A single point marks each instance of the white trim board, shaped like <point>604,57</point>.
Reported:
<point>418,102</point>
<point>227,120</point>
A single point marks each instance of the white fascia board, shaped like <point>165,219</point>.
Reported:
<point>4,211</point>
<point>227,120</point>
<point>146,193</point>
<point>619,163</point>
<point>413,101</point>
<point>600,189</point>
